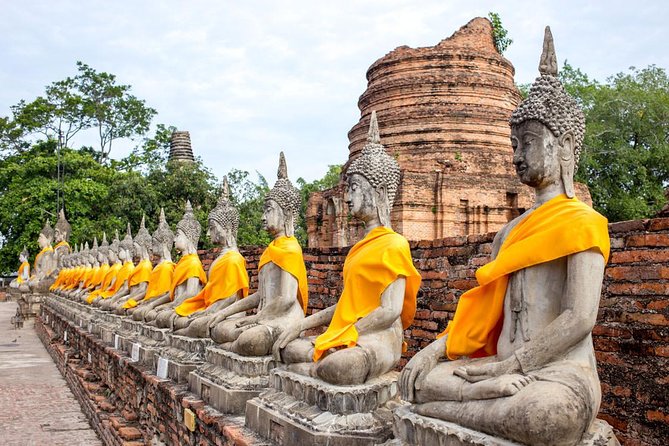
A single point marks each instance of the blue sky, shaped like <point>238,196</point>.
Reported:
<point>250,78</point>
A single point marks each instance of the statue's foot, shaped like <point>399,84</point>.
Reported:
<point>349,366</point>
<point>256,341</point>
<point>303,368</point>
<point>501,386</point>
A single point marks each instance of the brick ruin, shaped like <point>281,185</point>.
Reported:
<point>443,113</point>
<point>180,147</point>
<point>129,405</point>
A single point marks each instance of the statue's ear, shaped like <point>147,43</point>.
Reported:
<point>566,154</point>
<point>288,223</point>
<point>383,205</point>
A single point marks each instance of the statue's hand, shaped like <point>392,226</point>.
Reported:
<point>289,334</point>
<point>247,321</point>
<point>414,373</point>
<point>476,373</point>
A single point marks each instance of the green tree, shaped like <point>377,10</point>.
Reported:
<point>330,179</point>
<point>249,197</point>
<point>499,33</point>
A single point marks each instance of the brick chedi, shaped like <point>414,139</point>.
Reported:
<point>180,147</point>
<point>443,112</point>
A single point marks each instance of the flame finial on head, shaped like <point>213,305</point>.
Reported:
<point>548,62</point>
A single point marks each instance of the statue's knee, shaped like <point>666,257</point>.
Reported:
<point>344,367</point>
<point>256,341</point>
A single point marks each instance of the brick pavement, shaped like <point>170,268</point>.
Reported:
<point>36,406</point>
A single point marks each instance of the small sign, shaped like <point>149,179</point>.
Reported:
<point>135,352</point>
<point>90,359</point>
<point>46,318</point>
<point>116,341</point>
<point>65,336</point>
<point>81,323</point>
<point>189,419</point>
<point>90,327</point>
<point>162,368</point>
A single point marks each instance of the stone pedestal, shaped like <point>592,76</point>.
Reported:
<point>142,342</point>
<point>183,355</point>
<point>412,429</point>
<point>303,410</point>
<point>227,380</point>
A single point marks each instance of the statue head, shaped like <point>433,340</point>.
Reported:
<point>63,228</point>
<point>126,246</point>
<point>143,240</point>
<point>224,220</point>
<point>188,231</point>
<point>547,128</point>
<point>103,249</point>
<point>112,253</point>
<point>162,236</point>
<point>282,204</point>
<point>45,235</point>
<point>373,179</point>
<point>23,255</point>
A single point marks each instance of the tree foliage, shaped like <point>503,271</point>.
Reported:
<point>499,33</point>
<point>330,179</point>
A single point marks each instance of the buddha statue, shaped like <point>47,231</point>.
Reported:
<point>62,232</point>
<point>364,337</point>
<point>227,281</point>
<point>137,282</point>
<point>101,267</point>
<point>160,280</point>
<point>519,360</point>
<point>282,295</point>
<point>65,276</point>
<point>189,276</point>
<point>125,255</point>
<point>109,279</point>
<point>23,273</point>
<point>85,270</point>
<point>45,262</point>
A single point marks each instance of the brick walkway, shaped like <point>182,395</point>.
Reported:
<point>36,406</point>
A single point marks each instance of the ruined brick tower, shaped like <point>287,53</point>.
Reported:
<point>180,147</point>
<point>443,113</point>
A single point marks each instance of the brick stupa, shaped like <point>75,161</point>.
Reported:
<point>180,147</point>
<point>443,112</point>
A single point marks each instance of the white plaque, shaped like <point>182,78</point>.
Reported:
<point>65,336</point>
<point>81,323</point>
<point>90,359</point>
<point>90,327</point>
<point>162,368</point>
<point>116,341</point>
<point>46,318</point>
<point>135,352</point>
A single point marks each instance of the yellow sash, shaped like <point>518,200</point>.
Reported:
<point>74,279</point>
<point>141,273</point>
<point>286,253</point>
<point>59,279</point>
<point>63,243</point>
<point>160,282</point>
<point>121,277</point>
<point>560,227</point>
<point>87,275</point>
<point>189,266</point>
<point>227,276</point>
<point>25,266</point>
<point>95,272</point>
<point>100,275</point>
<point>109,276</point>
<point>372,264</point>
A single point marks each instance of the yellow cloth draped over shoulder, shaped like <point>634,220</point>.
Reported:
<point>90,277</point>
<point>86,276</point>
<point>372,264</point>
<point>99,275</point>
<point>141,273</point>
<point>62,274</point>
<point>24,268</point>
<point>106,281</point>
<point>61,244</point>
<point>123,274</point>
<point>226,277</point>
<point>39,256</point>
<point>286,253</point>
<point>160,282</point>
<point>75,278</point>
<point>558,228</point>
<point>189,266</point>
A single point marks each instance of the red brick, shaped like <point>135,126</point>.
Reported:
<point>130,433</point>
<point>658,224</point>
<point>656,415</point>
<point>648,318</point>
<point>662,350</point>
<point>648,240</point>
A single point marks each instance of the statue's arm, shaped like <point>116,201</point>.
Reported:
<point>387,313</point>
<point>138,291</point>
<point>248,303</point>
<point>580,303</point>
<point>285,299</point>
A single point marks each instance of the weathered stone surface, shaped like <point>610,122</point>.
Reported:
<point>180,147</point>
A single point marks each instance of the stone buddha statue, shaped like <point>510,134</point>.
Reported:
<point>227,281</point>
<point>189,276</point>
<point>65,275</point>
<point>100,262</point>
<point>76,268</point>
<point>160,280</point>
<point>137,282</point>
<point>282,294</point>
<point>62,232</point>
<point>45,261</point>
<point>125,255</point>
<point>364,338</point>
<point>23,273</point>
<point>109,279</point>
<point>517,360</point>
<point>86,270</point>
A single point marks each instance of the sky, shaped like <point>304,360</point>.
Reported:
<point>250,78</point>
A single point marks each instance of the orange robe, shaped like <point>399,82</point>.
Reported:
<point>189,266</point>
<point>560,227</point>
<point>141,273</point>
<point>372,264</point>
<point>25,267</point>
<point>286,253</point>
<point>123,274</point>
<point>160,282</point>
<point>106,281</point>
<point>39,255</point>
<point>227,276</point>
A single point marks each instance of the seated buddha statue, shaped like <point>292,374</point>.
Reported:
<point>65,276</point>
<point>45,261</point>
<point>23,274</point>
<point>188,277</point>
<point>517,360</point>
<point>109,279</point>
<point>282,294</point>
<point>99,259</point>
<point>364,336</point>
<point>125,255</point>
<point>62,232</point>
<point>227,280</point>
<point>160,281</point>
<point>138,280</point>
<point>85,270</point>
